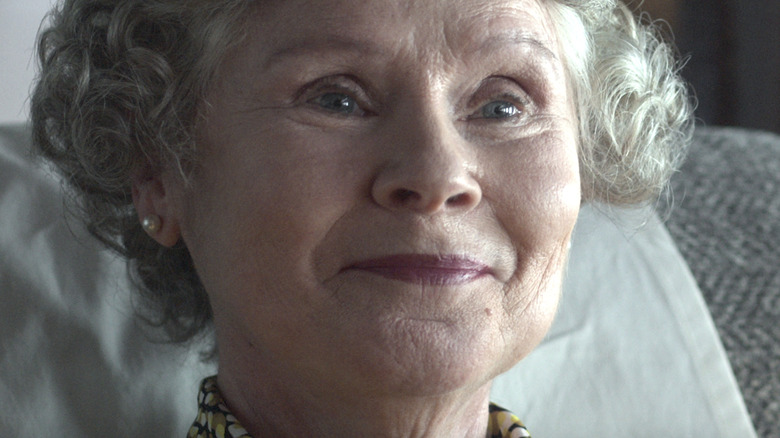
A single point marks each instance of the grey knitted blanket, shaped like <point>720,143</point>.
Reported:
<point>725,218</point>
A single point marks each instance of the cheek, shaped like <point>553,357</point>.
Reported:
<point>535,191</point>
<point>257,212</point>
<point>536,197</point>
<point>531,298</point>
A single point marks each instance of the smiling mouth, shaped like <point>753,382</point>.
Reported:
<point>428,270</point>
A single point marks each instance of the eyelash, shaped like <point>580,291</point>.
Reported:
<point>519,105</point>
<point>499,89</point>
<point>318,93</point>
<point>332,89</point>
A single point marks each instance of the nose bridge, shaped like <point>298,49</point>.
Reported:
<point>440,153</point>
<point>428,169</point>
<point>428,141</point>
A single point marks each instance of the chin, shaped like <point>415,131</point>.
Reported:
<point>431,358</point>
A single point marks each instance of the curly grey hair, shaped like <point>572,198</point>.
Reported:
<point>122,82</point>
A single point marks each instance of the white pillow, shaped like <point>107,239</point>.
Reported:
<point>73,361</point>
<point>633,351</point>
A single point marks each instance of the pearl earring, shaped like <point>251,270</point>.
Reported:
<point>151,224</point>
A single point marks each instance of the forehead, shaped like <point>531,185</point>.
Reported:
<point>454,26</point>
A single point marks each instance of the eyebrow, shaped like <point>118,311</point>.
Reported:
<point>516,38</point>
<point>329,45</point>
<point>367,48</point>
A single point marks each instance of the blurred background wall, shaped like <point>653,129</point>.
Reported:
<point>734,57</point>
<point>733,46</point>
<point>19,21</point>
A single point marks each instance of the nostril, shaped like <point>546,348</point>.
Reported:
<point>430,199</point>
<point>403,196</point>
<point>458,199</point>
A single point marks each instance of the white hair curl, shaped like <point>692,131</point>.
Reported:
<point>634,110</point>
<point>121,83</point>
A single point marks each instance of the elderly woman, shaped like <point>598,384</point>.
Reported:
<point>369,204</point>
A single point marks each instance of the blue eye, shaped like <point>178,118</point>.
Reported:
<point>337,103</point>
<point>499,109</point>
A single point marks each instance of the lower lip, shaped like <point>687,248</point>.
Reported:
<point>424,270</point>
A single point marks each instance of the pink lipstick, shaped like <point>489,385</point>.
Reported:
<point>430,270</point>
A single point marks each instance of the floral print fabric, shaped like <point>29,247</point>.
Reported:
<point>215,420</point>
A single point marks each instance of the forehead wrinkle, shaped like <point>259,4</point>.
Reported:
<point>325,46</point>
<point>437,42</point>
<point>506,23</point>
<point>515,37</point>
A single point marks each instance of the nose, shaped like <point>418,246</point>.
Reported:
<point>428,171</point>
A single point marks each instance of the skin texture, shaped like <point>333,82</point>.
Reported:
<point>345,131</point>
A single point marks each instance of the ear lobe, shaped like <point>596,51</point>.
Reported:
<point>155,197</point>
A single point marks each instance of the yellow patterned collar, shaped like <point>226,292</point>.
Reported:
<point>215,420</point>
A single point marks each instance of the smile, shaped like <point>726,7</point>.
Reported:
<point>424,269</point>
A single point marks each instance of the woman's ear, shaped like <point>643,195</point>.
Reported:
<point>156,199</point>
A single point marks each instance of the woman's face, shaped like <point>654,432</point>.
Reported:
<point>386,192</point>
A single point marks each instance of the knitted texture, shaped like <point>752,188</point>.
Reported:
<point>725,219</point>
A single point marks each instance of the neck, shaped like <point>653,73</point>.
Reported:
<point>270,407</point>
